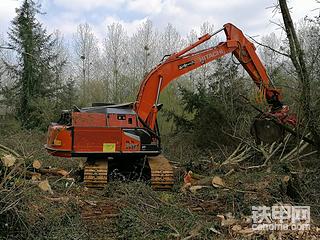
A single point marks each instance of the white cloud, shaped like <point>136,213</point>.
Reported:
<point>252,16</point>
<point>66,23</point>
<point>88,5</point>
<point>145,6</point>
<point>212,6</point>
<point>130,26</point>
<point>302,8</point>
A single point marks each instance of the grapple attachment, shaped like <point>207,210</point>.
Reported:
<point>270,127</point>
<point>266,130</point>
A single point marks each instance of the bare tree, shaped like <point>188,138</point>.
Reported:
<point>171,40</point>
<point>270,58</point>
<point>298,59</point>
<point>145,48</point>
<point>86,57</point>
<point>7,62</point>
<point>116,61</point>
<point>201,75</point>
<point>143,55</point>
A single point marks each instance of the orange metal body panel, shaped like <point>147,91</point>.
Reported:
<point>59,134</point>
<point>91,139</point>
<point>128,121</point>
<point>86,119</point>
<point>130,144</point>
<point>90,131</point>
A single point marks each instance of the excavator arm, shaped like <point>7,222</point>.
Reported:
<point>185,61</point>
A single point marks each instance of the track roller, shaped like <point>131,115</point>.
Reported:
<point>96,173</point>
<point>161,173</point>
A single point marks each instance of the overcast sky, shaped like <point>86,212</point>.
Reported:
<point>252,16</point>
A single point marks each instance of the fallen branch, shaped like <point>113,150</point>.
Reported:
<point>11,151</point>
<point>53,171</point>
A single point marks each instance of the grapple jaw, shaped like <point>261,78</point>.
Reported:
<point>266,130</point>
<point>268,127</point>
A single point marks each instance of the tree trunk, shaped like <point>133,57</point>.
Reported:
<point>297,58</point>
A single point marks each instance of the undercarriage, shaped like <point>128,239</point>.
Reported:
<point>156,169</point>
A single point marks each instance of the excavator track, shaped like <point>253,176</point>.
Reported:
<point>161,173</point>
<point>96,173</point>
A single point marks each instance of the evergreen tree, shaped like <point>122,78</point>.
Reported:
<point>37,70</point>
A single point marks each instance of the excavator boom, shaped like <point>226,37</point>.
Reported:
<point>185,61</point>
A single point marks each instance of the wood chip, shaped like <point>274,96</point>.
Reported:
<point>8,160</point>
<point>36,164</point>
<point>212,229</point>
<point>91,203</point>
<point>63,172</point>
<point>59,199</point>
<point>236,228</point>
<point>228,220</point>
<point>217,182</point>
<point>45,186</point>
<point>286,179</point>
<point>36,176</point>
<point>194,189</point>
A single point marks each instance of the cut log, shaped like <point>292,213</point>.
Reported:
<point>35,176</point>
<point>37,164</point>
<point>217,182</point>
<point>194,189</point>
<point>45,186</point>
<point>8,160</point>
<point>54,171</point>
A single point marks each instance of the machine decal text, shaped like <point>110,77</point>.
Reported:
<point>210,55</point>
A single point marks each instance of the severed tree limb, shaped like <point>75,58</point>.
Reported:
<point>241,153</point>
<point>286,140</point>
<point>271,147</point>
<point>267,157</point>
<point>11,151</point>
<point>293,151</point>
<point>53,171</point>
<point>264,153</point>
<point>304,155</point>
<point>297,149</point>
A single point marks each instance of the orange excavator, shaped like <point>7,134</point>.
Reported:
<point>123,132</point>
